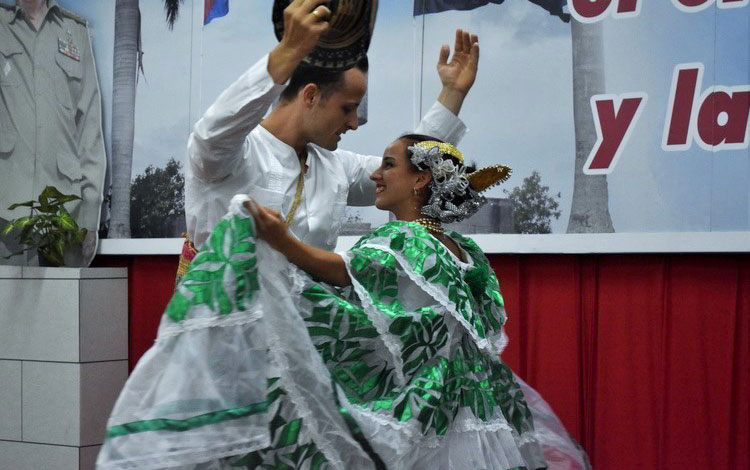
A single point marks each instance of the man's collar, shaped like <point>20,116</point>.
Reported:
<point>16,12</point>
<point>54,9</point>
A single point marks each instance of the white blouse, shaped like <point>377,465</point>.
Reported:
<point>229,153</point>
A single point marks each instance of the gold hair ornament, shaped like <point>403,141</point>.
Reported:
<point>445,148</point>
<point>489,176</point>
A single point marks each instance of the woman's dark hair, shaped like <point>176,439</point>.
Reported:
<point>327,80</point>
<point>417,138</point>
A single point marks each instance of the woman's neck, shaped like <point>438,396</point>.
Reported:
<point>407,214</point>
<point>435,228</point>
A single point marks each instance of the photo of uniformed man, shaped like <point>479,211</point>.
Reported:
<point>50,118</point>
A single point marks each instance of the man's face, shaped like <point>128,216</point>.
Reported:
<point>337,113</point>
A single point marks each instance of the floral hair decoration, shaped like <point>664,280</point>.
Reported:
<point>455,194</point>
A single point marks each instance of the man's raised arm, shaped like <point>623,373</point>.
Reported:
<point>217,143</point>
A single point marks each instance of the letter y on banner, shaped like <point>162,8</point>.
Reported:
<point>614,118</point>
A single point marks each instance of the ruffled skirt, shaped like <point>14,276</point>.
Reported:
<point>252,369</point>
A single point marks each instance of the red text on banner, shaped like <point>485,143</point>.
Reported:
<point>591,11</point>
<point>716,119</point>
<point>614,118</point>
<point>588,11</point>
<point>693,6</point>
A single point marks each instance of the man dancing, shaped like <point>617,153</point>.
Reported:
<point>290,160</point>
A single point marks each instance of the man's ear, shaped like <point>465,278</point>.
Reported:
<point>424,178</point>
<point>310,94</point>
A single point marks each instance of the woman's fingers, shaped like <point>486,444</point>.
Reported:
<point>268,222</point>
<point>251,206</point>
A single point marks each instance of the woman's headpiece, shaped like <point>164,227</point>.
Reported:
<point>455,194</point>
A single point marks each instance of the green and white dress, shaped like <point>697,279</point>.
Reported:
<point>256,365</point>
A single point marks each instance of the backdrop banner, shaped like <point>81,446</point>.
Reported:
<point>619,116</point>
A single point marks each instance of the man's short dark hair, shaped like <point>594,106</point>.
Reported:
<point>328,81</point>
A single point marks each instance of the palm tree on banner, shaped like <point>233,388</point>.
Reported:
<point>127,55</point>
<point>589,211</point>
<point>127,64</point>
<point>172,8</point>
<point>589,208</point>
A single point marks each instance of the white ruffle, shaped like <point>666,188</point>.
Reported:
<point>186,376</point>
<point>302,373</point>
<point>168,330</point>
<point>109,457</point>
<point>469,443</point>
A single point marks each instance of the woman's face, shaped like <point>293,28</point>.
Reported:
<point>395,181</point>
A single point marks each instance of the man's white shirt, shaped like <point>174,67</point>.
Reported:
<point>230,153</point>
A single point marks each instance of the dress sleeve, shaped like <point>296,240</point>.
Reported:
<point>218,141</point>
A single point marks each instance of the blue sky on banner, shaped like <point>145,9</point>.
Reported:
<point>520,111</point>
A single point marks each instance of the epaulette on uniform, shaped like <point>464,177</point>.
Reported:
<point>73,16</point>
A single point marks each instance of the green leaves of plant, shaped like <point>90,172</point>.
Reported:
<point>21,204</point>
<point>49,229</point>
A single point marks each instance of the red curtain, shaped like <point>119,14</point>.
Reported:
<point>645,358</point>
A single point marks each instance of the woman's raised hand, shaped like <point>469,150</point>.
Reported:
<point>458,74</point>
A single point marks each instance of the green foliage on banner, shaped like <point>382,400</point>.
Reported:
<point>533,207</point>
<point>157,201</point>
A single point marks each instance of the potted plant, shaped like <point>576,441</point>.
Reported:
<point>49,229</point>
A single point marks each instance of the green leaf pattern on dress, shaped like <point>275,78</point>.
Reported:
<point>440,377</point>
<point>291,448</point>
<point>223,276</point>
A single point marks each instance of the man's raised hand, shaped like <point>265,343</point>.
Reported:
<point>304,22</point>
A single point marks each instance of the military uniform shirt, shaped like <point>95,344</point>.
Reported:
<point>50,113</point>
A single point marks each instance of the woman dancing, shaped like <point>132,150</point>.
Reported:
<point>276,355</point>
